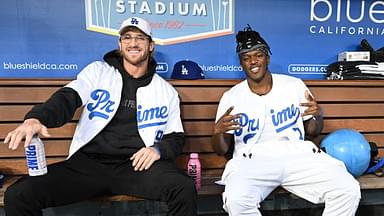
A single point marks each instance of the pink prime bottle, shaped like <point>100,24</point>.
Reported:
<point>194,169</point>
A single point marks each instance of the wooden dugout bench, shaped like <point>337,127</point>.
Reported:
<point>355,104</point>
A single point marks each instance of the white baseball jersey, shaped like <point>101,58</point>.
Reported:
<point>99,86</point>
<point>276,115</point>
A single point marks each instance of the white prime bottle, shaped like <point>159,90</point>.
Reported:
<point>35,154</point>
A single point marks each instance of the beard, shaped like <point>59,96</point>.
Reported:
<point>135,60</point>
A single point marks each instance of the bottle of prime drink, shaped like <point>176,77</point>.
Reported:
<point>35,154</point>
<point>194,169</point>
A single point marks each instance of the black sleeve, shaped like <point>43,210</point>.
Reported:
<point>58,109</point>
<point>171,145</point>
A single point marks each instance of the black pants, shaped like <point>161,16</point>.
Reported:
<point>81,178</point>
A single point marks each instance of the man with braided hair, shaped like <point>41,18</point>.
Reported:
<point>268,120</point>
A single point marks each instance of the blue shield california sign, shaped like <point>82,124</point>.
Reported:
<point>172,21</point>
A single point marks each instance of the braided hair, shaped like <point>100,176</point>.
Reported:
<point>249,39</point>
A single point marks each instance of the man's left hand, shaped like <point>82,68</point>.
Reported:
<point>313,108</point>
<point>144,158</point>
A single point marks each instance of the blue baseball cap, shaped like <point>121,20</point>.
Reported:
<point>187,70</point>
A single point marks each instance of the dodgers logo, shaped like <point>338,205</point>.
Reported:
<point>134,21</point>
<point>249,126</point>
<point>102,107</point>
<point>150,117</point>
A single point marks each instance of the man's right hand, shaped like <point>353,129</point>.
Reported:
<point>26,130</point>
<point>226,122</point>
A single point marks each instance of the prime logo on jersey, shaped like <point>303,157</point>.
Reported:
<point>152,116</point>
<point>248,125</point>
<point>102,105</point>
<point>286,118</point>
<point>282,119</point>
